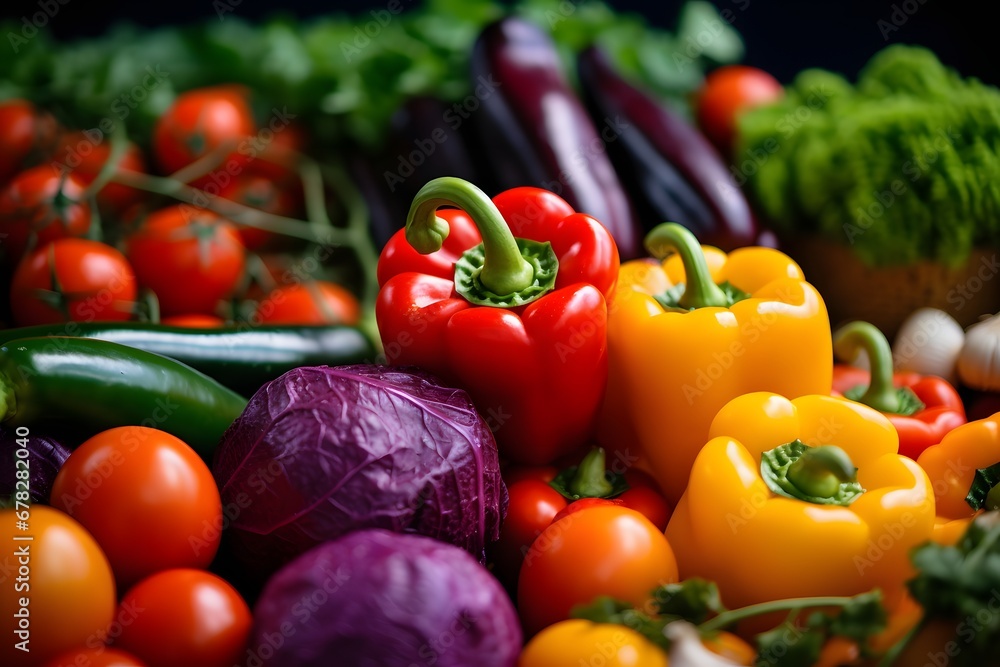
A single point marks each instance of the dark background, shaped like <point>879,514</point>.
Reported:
<point>781,37</point>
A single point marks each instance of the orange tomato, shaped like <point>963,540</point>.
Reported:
<point>57,590</point>
<point>147,498</point>
<point>603,550</point>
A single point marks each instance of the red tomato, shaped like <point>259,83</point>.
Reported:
<point>602,550</point>
<point>73,280</point>
<point>38,207</point>
<point>84,157</point>
<point>275,159</point>
<point>101,656</point>
<point>727,92</point>
<point>316,302</point>
<point>648,502</point>
<point>267,195</point>
<point>63,580</point>
<point>194,321</point>
<point>146,497</point>
<point>190,618</point>
<point>191,258</point>
<point>532,507</point>
<point>198,122</point>
<point>516,473</point>
<point>23,130</point>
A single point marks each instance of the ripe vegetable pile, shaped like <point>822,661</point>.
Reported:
<point>261,409</point>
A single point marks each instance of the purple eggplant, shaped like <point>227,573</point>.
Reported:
<point>670,169</point>
<point>536,130</point>
<point>38,455</point>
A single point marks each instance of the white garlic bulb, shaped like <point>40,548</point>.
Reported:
<point>929,342</point>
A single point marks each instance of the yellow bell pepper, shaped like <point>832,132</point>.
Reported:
<point>801,498</point>
<point>671,369</point>
<point>578,642</point>
<point>966,461</point>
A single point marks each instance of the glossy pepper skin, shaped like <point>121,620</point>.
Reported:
<point>787,547</point>
<point>938,411</point>
<point>536,372</point>
<point>238,358</point>
<point>97,385</point>
<point>952,466</point>
<point>670,372</point>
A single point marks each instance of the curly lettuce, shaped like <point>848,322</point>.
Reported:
<point>902,166</point>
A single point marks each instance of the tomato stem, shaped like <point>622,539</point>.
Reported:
<point>119,146</point>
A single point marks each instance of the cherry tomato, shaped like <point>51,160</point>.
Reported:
<point>191,258</point>
<point>190,618</point>
<point>23,130</point>
<point>63,580</point>
<point>730,647</point>
<point>194,321</point>
<point>576,643</point>
<point>85,155</point>
<point>532,507</point>
<point>38,207</point>
<point>727,92</point>
<point>649,502</point>
<point>516,473</point>
<point>102,656</point>
<point>586,504</point>
<point>278,198</point>
<point>599,551</point>
<point>146,497</point>
<point>315,302</point>
<point>276,159</point>
<point>198,122</point>
<point>73,280</point>
<point>839,652</point>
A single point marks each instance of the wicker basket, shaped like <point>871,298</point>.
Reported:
<point>885,296</point>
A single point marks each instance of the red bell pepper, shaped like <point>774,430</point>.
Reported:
<point>518,323</point>
<point>923,408</point>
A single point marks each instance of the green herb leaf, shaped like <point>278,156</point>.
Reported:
<point>789,646</point>
<point>692,600</point>
<point>861,618</point>
<point>961,583</point>
<point>608,610</point>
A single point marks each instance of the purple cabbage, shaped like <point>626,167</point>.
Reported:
<point>380,599</point>
<point>45,456</point>
<point>320,452</point>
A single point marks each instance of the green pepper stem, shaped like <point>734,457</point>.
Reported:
<point>820,471</point>
<point>848,341</point>
<point>729,617</point>
<point>590,480</point>
<point>504,270</point>
<point>700,291</point>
